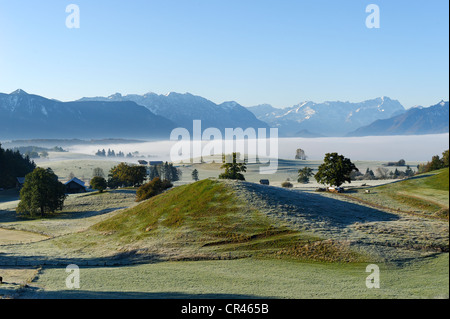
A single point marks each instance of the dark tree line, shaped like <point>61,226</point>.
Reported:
<point>112,153</point>
<point>13,165</point>
<point>161,178</point>
<point>435,163</point>
<point>165,171</point>
<point>135,175</point>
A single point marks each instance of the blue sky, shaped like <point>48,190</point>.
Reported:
<point>279,52</point>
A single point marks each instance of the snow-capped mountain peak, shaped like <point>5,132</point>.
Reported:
<point>19,92</point>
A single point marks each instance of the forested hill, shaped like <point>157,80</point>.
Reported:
<point>13,165</point>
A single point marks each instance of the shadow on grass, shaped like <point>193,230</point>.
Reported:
<point>109,191</point>
<point>78,215</point>
<point>9,195</point>
<point>11,216</point>
<point>419,177</point>
<point>300,207</point>
<point>34,293</point>
<point>129,258</point>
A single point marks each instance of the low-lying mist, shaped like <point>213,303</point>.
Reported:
<point>376,148</point>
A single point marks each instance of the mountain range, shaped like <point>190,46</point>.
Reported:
<point>415,121</point>
<point>309,119</point>
<point>153,116</point>
<point>24,115</point>
<point>182,109</point>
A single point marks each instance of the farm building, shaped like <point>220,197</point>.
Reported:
<point>336,189</point>
<point>155,163</point>
<point>19,182</point>
<point>75,186</point>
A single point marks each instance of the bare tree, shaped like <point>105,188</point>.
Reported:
<point>98,172</point>
<point>382,173</point>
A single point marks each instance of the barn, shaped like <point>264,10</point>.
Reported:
<point>75,186</point>
<point>20,181</point>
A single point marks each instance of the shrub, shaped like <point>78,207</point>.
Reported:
<point>287,184</point>
<point>98,183</point>
<point>153,188</point>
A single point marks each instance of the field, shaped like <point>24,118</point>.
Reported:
<point>245,278</point>
<point>82,166</point>
<point>425,194</point>
<point>217,239</point>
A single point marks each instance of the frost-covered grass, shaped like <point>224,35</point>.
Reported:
<point>80,211</point>
<point>426,194</point>
<point>82,166</point>
<point>247,278</point>
<point>227,239</point>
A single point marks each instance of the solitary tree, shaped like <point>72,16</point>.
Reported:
<point>335,170</point>
<point>304,175</point>
<point>195,175</point>
<point>99,183</point>
<point>42,193</point>
<point>233,170</point>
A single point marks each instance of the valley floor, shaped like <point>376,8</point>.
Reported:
<point>245,278</point>
<point>283,244</point>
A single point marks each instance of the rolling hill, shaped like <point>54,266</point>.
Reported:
<point>210,220</point>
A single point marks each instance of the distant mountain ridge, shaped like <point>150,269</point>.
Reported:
<point>415,121</point>
<point>153,116</point>
<point>24,115</point>
<point>182,109</point>
<point>327,118</point>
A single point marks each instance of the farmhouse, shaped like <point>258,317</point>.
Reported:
<point>75,186</point>
<point>336,189</point>
<point>19,182</point>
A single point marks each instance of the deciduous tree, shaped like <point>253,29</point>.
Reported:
<point>335,170</point>
<point>42,193</point>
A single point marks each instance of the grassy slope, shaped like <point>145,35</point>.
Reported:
<point>426,194</point>
<point>207,218</point>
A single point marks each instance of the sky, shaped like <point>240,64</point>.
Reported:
<point>280,52</point>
